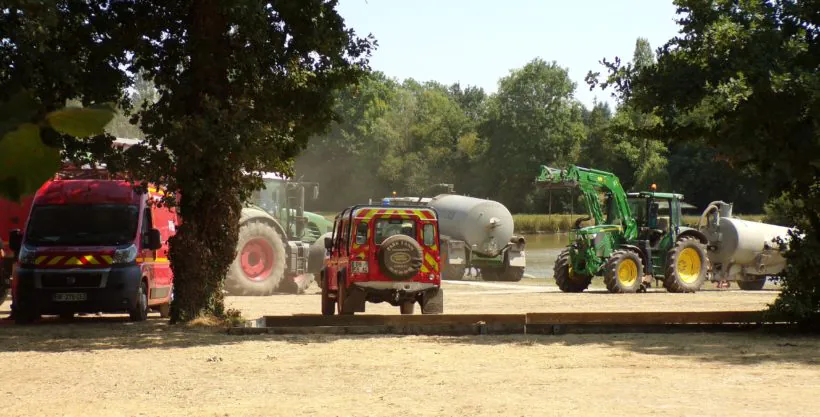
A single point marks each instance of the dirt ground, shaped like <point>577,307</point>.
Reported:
<point>527,296</point>
<point>110,367</point>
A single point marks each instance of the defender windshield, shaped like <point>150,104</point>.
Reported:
<point>83,224</point>
<point>389,227</point>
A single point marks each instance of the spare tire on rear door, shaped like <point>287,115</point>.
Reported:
<point>400,257</point>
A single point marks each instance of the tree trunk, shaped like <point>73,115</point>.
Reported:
<point>202,251</point>
<point>205,244</point>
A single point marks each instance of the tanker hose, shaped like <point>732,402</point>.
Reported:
<point>713,206</point>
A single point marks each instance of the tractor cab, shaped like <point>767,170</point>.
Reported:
<point>658,216</point>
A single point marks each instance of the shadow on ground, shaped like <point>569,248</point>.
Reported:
<point>103,333</point>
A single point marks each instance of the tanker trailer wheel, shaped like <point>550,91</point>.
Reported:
<point>752,284</point>
<point>686,266</point>
<point>623,272</point>
<point>565,278</point>
<point>400,257</point>
<point>260,263</point>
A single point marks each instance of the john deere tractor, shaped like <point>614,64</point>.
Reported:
<point>636,237</point>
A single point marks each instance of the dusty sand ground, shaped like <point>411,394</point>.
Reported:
<point>525,297</point>
<point>109,367</point>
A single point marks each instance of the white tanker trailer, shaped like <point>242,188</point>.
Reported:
<point>475,233</point>
<point>740,250</point>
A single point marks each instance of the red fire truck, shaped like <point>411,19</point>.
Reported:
<point>92,245</point>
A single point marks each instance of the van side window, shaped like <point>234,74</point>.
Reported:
<point>361,233</point>
<point>147,224</point>
<point>429,233</point>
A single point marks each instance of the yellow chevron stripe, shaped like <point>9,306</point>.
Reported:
<point>55,260</point>
<point>73,261</point>
<point>108,259</point>
<point>40,259</point>
<point>432,261</point>
<point>92,260</point>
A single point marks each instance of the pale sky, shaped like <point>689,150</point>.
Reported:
<point>476,42</point>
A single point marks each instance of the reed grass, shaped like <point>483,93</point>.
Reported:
<point>561,223</point>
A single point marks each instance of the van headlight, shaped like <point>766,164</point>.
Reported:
<point>125,256</point>
<point>26,256</point>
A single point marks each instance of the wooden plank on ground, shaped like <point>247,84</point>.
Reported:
<point>642,318</point>
<point>394,320</point>
<point>397,329</point>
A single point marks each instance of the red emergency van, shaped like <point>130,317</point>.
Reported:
<point>92,245</point>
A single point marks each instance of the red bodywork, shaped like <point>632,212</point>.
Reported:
<point>154,265</point>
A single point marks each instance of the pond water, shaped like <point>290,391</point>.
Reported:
<point>542,250</point>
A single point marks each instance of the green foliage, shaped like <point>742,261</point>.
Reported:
<point>742,77</point>
<point>25,161</point>
<point>241,87</point>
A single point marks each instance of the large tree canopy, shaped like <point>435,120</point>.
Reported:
<point>743,76</point>
<point>241,85</point>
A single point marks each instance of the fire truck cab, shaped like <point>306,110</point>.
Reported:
<point>93,245</point>
<point>383,254</point>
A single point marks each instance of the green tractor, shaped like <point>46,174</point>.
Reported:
<point>636,237</point>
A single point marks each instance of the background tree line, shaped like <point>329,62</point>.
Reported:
<point>405,136</point>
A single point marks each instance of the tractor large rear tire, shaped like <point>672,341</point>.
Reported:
<point>566,280</point>
<point>623,272</point>
<point>259,265</point>
<point>686,266</point>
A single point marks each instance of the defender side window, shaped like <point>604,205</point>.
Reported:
<point>361,233</point>
<point>429,232</point>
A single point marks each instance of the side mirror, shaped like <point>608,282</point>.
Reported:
<point>15,240</point>
<point>328,243</point>
<point>154,240</point>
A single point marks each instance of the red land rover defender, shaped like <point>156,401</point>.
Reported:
<point>383,254</point>
<point>92,246</point>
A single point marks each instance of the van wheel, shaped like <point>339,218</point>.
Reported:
<point>139,312</point>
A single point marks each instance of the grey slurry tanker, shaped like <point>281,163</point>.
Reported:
<point>742,251</point>
<point>475,233</point>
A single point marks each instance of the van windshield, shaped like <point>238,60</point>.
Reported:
<point>82,224</point>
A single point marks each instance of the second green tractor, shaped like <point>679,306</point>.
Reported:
<point>636,237</point>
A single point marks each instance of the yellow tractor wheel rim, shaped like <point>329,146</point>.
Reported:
<point>689,265</point>
<point>627,272</point>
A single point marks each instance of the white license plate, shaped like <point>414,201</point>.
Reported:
<point>359,267</point>
<point>70,296</point>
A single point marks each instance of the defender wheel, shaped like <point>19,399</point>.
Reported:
<point>686,266</point>
<point>259,266</point>
<point>752,285</point>
<point>165,311</point>
<point>328,304</point>
<point>139,311</point>
<point>407,307</point>
<point>623,272</point>
<point>566,280</point>
<point>342,296</point>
